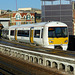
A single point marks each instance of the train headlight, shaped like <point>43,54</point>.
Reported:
<point>51,41</point>
<point>66,41</point>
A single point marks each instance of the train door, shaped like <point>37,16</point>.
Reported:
<point>37,36</point>
<point>15,34</point>
<point>41,40</point>
<point>9,34</point>
<point>31,35</point>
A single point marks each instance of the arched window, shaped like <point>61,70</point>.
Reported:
<point>32,17</point>
<point>28,17</point>
<point>18,17</point>
<point>24,17</point>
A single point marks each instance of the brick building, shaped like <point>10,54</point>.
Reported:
<point>23,16</point>
<point>18,18</point>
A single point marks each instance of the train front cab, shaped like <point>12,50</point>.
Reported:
<point>58,37</point>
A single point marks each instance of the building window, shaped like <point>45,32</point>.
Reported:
<point>24,22</point>
<point>24,17</point>
<point>32,18</point>
<point>28,17</point>
<point>18,17</point>
<point>28,22</point>
<point>18,23</point>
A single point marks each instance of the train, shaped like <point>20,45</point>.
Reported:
<point>53,34</point>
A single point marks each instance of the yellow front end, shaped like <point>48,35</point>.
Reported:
<point>58,40</point>
<point>62,42</point>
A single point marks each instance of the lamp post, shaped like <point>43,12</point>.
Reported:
<point>16,5</point>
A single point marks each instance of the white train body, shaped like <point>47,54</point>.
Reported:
<point>46,34</point>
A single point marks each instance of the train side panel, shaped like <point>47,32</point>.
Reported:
<point>38,38</point>
<point>45,36</point>
<point>23,35</point>
<point>12,34</point>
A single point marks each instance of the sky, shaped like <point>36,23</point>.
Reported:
<point>11,4</point>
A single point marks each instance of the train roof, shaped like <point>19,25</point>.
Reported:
<point>42,24</point>
<point>30,25</point>
<point>56,24</point>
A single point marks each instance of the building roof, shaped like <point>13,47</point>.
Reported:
<point>30,9</point>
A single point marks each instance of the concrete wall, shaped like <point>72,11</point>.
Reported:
<point>63,64</point>
<point>5,22</point>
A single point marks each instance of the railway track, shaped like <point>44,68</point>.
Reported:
<point>38,48</point>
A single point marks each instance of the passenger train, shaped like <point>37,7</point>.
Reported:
<point>52,34</point>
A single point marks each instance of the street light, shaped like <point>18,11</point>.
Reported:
<point>16,5</point>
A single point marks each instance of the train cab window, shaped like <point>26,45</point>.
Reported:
<point>51,32</point>
<point>37,34</point>
<point>57,32</point>
<point>24,33</point>
<point>12,32</point>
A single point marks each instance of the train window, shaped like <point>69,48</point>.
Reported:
<point>57,32</point>
<point>19,32</point>
<point>7,32</point>
<point>51,32</point>
<point>37,34</point>
<point>12,32</point>
<point>24,33</point>
<point>42,33</point>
